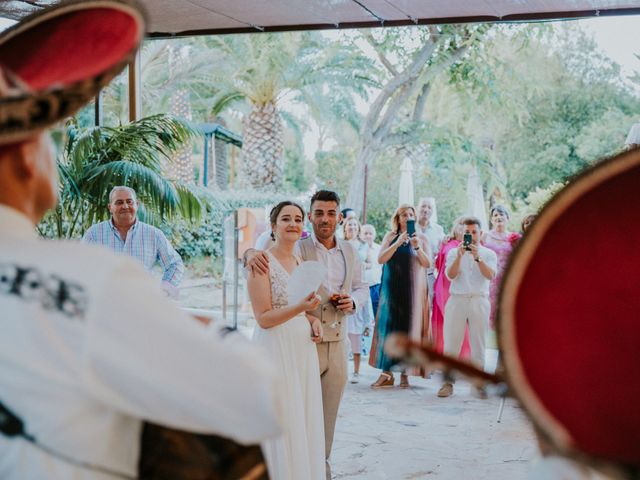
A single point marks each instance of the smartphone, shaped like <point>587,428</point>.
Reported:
<point>411,227</point>
<point>466,240</point>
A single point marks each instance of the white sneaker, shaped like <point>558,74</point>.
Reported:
<point>355,378</point>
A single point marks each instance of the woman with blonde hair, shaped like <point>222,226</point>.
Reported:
<point>404,306</point>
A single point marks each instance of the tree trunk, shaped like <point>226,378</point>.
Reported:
<point>262,149</point>
<point>222,163</point>
<point>181,168</point>
<point>355,198</point>
<point>387,108</point>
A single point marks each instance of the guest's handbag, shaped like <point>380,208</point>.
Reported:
<point>168,454</point>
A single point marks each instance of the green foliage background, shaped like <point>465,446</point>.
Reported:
<point>529,106</point>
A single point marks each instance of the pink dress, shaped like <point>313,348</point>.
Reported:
<point>440,297</point>
<point>502,244</point>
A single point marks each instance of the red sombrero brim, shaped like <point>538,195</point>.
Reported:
<point>570,314</point>
<point>65,55</point>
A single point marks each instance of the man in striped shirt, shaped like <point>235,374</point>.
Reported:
<point>124,233</point>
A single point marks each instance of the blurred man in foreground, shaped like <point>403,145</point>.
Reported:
<point>90,347</point>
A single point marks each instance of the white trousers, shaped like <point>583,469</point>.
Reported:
<point>459,311</point>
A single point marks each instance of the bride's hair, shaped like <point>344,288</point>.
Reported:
<point>275,211</point>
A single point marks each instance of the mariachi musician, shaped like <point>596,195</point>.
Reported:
<point>90,347</point>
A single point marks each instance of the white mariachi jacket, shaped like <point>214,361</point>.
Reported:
<point>90,345</point>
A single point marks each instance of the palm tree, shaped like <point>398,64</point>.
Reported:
<point>96,159</point>
<point>181,166</point>
<point>263,69</point>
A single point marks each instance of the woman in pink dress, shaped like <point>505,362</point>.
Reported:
<point>501,241</point>
<point>441,291</point>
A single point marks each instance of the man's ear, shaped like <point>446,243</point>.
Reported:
<point>25,159</point>
<point>340,217</point>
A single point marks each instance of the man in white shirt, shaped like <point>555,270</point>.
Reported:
<point>434,234</point>
<point>470,268</point>
<point>90,347</point>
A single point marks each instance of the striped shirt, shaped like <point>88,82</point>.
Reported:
<point>144,242</point>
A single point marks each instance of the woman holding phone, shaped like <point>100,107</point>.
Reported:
<point>404,305</point>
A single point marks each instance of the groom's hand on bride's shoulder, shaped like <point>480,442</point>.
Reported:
<point>256,262</point>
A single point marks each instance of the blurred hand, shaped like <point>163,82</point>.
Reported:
<point>258,262</point>
<point>345,303</point>
<point>316,329</point>
<point>402,239</point>
<point>310,303</point>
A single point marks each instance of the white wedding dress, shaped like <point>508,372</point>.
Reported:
<point>298,454</point>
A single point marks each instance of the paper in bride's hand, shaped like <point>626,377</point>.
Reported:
<point>306,278</point>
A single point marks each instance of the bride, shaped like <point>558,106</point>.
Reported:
<point>289,335</point>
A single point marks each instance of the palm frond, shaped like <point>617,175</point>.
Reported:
<point>96,159</point>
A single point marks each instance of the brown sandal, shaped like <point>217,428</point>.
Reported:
<point>385,380</point>
<point>404,381</point>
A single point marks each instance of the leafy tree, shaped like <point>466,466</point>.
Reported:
<point>396,115</point>
<point>534,105</point>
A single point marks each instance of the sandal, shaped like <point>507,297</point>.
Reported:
<point>385,380</point>
<point>404,381</point>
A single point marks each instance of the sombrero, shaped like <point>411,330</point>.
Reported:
<point>569,315</point>
<point>55,61</point>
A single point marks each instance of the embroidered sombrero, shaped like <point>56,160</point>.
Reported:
<point>55,61</point>
<point>569,319</point>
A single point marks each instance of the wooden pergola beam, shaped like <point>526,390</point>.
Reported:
<point>135,100</point>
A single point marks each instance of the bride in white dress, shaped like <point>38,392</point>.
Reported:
<point>289,335</point>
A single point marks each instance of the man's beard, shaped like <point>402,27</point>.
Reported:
<point>319,233</point>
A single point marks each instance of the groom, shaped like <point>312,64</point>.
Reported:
<point>343,283</point>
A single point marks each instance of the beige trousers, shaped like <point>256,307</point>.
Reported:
<point>459,311</point>
<point>333,378</point>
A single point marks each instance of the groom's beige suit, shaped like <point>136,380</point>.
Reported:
<point>344,274</point>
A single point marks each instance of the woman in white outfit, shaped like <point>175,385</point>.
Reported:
<point>361,322</point>
<point>289,335</point>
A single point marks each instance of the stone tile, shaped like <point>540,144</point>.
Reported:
<point>412,434</point>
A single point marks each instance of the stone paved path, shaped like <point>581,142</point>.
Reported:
<point>395,434</point>
<point>412,434</point>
